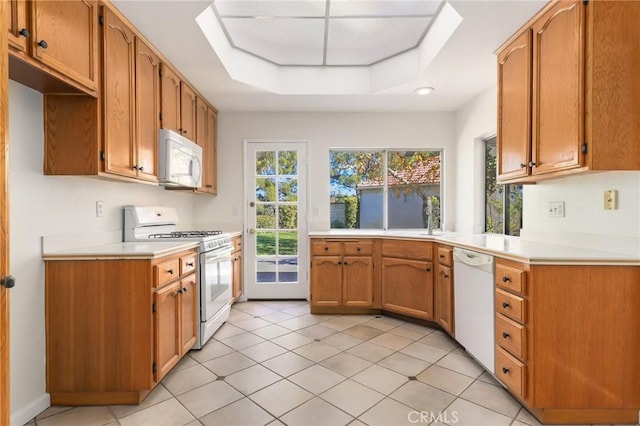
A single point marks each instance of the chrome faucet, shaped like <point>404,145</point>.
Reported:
<point>429,216</point>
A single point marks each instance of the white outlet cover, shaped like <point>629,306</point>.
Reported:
<point>556,209</point>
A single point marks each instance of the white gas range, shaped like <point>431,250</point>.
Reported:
<point>214,266</point>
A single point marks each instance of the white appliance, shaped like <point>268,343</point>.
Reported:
<point>473,295</point>
<point>179,160</point>
<point>214,265</point>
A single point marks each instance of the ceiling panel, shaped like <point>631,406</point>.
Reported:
<point>287,8</point>
<point>283,41</point>
<point>383,7</point>
<point>364,41</point>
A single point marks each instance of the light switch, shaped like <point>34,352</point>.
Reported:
<point>611,199</point>
<point>556,209</point>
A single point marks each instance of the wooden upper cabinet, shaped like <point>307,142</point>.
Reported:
<point>147,110</point>
<point>514,108</point>
<point>579,94</point>
<point>19,32</point>
<point>210,162</point>
<point>119,96</point>
<point>201,123</point>
<point>558,88</point>
<point>170,98</point>
<point>187,111</point>
<point>64,37</point>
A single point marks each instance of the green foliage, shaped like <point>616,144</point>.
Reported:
<point>351,211</point>
<point>288,217</point>
<point>266,243</point>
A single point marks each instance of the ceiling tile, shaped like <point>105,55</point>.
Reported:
<point>283,41</point>
<point>287,8</point>
<point>383,7</point>
<point>364,41</point>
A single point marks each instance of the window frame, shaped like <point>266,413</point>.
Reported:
<point>385,191</point>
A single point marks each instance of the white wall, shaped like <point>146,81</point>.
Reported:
<point>473,122</point>
<point>586,223</point>
<point>51,205</point>
<point>323,131</point>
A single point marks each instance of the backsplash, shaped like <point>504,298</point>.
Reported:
<point>586,223</point>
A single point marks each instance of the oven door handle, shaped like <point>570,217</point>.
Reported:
<point>215,255</point>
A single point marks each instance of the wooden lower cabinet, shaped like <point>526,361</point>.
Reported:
<point>443,297</point>
<point>407,287</point>
<point>343,274</point>
<point>568,351</point>
<point>114,328</point>
<point>237,265</point>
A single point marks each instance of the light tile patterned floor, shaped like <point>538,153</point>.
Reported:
<point>274,363</point>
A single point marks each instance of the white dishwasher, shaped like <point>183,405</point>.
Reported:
<point>473,301</point>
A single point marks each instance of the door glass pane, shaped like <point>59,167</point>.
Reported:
<point>288,269</point>
<point>287,189</point>
<point>266,216</point>
<point>266,189</point>
<point>288,216</point>
<point>266,271</point>
<point>287,243</point>
<point>266,243</point>
<point>287,163</point>
<point>265,163</point>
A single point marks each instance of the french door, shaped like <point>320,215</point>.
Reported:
<point>276,220</point>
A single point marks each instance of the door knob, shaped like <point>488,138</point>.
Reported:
<point>252,231</point>
<point>8,281</point>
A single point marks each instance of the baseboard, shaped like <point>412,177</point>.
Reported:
<point>25,414</point>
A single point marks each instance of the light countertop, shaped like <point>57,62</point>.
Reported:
<point>499,245</point>
<point>120,250</point>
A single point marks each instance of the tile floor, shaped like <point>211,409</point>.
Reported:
<point>274,363</point>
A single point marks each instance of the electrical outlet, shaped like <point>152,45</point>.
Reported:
<point>99,208</point>
<point>611,199</point>
<point>556,209</point>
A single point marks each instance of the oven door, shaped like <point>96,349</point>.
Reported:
<point>215,282</point>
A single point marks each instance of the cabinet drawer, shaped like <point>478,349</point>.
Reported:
<point>445,256</point>
<point>511,371</point>
<point>510,278</point>
<point>405,249</point>
<point>187,264</point>
<point>167,271</point>
<point>329,248</point>
<point>510,305</point>
<point>358,248</point>
<point>511,336</point>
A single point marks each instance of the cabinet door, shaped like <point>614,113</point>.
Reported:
<point>201,123</point>
<point>443,292</point>
<point>187,111</point>
<point>407,287</point>
<point>170,98</point>
<point>65,38</point>
<point>119,96</point>
<point>167,328</point>
<point>210,161</point>
<point>358,281</point>
<point>189,313</point>
<point>514,108</point>
<point>326,281</point>
<point>147,111</point>
<point>558,88</point>
<point>17,24</point>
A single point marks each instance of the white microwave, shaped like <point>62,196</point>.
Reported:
<point>180,160</point>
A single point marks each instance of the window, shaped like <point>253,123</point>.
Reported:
<point>385,189</point>
<point>503,203</point>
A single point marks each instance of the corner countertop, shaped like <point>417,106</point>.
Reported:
<point>504,246</point>
<point>120,250</point>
